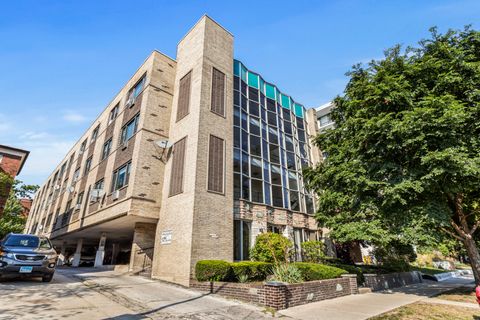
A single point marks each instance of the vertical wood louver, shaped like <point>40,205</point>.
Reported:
<point>218,92</point>
<point>215,164</point>
<point>178,164</point>
<point>184,96</point>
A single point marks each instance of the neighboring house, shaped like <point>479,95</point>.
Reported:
<point>192,159</point>
<point>11,163</point>
<point>26,205</point>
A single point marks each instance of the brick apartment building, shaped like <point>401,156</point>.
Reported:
<point>192,159</point>
<point>11,163</point>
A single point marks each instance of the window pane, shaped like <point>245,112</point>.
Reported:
<point>255,145</point>
<point>256,168</point>
<point>257,190</point>
<point>245,188</point>
<point>253,80</point>
<point>277,196</point>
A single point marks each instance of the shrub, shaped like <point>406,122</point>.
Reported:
<point>313,251</point>
<point>287,272</point>
<point>212,270</point>
<point>271,247</point>
<point>315,271</point>
<point>253,270</point>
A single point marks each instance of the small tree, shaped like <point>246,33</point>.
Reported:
<point>271,247</point>
<point>12,219</point>
<point>313,251</point>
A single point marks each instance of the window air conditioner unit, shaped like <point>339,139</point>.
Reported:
<point>80,152</point>
<point>124,144</point>
<point>115,194</point>
<point>56,187</point>
<point>70,189</point>
<point>78,206</point>
<point>130,102</point>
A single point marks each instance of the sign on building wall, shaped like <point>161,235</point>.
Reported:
<point>166,237</point>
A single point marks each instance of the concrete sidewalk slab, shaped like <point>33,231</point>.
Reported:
<point>364,306</point>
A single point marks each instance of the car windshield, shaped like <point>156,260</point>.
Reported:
<point>27,241</point>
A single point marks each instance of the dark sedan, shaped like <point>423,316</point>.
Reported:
<point>27,256</point>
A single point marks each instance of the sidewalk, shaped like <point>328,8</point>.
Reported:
<point>364,306</point>
<point>151,299</point>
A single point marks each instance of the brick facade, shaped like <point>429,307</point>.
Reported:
<point>11,163</point>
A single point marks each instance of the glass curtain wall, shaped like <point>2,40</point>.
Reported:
<point>270,144</point>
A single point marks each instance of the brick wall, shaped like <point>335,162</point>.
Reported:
<point>278,295</point>
<point>391,280</point>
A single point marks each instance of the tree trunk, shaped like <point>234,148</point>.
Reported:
<point>474,257</point>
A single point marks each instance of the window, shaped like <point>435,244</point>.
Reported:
<point>324,120</point>
<point>178,161</point>
<point>218,92</point>
<point>129,129</point>
<point>80,198</point>
<point>83,146</point>
<point>241,238</point>
<point>215,164</point>
<point>99,184</point>
<point>137,89</point>
<point>257,191</point>
<point>88,165</point>
<point>120,177</point>
<point>76,174</point>
<point>277,196</point>
<point>106,148</point>
<point>113,114</point>
<point>184,96</point>
<point>95,134</point>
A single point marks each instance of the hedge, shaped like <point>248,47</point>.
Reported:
<point>255,270</point>
<point>315,271</point>
<point>212,270</point>
<point>218,270</point>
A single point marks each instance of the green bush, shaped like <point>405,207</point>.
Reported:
<point>254,270</point>
<point>212,270</point>
<point>287,272</point>
<point>315,271</point>
<point>271,247</point>
<point>313,251</point>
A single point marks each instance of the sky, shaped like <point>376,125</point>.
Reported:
<point>61,62</point>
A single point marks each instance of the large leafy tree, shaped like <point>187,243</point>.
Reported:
<point>403,163</point>
<point>12,219</point>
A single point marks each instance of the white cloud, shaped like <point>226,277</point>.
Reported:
<point>44,156</point>
<point>74,117</point>
<point>32,135</point>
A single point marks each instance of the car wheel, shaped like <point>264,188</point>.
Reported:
<point>47,278</point>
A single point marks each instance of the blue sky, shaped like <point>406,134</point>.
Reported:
<point>62,61</point>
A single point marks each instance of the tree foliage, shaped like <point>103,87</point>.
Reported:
<point>12,219</point>
<point>404,159</point>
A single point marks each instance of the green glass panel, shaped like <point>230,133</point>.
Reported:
<point>253,80</point>
<point>244,74</point>
<point>270,91</point>
<point>298,110</point>
<point>236,68</point>
<point>262,86</point>
<point>285,101</point>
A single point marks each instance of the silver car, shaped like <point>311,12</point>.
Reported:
<point>27,255</point>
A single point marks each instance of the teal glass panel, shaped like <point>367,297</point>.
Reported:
<point>269,91</point>
<point>262,86</point>
<point>285,101</point>
<point>298,110</point>
<point>253,80</point>
<point>236,68</point>
<point>244,74</point>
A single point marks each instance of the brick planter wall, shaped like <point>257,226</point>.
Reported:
<point>391,280</point>
<point>278,295</point>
